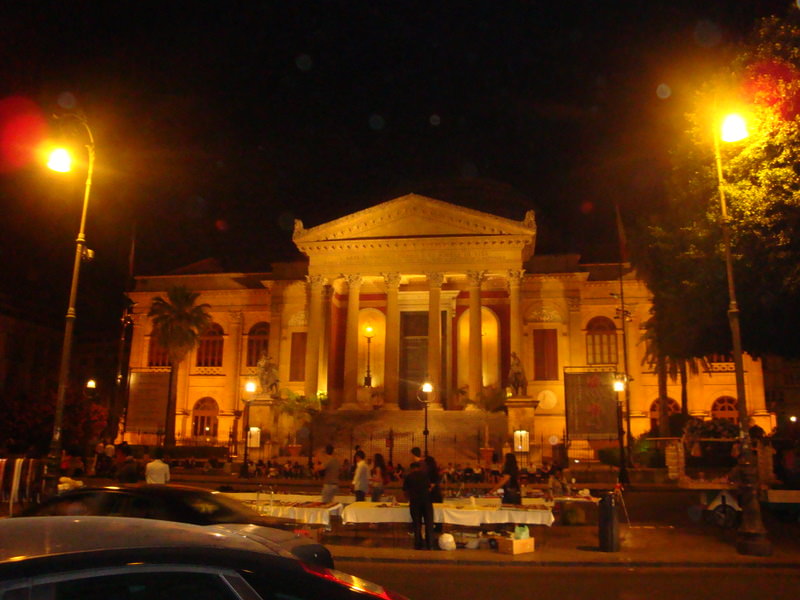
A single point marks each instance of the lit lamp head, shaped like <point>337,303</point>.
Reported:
<point>734,128</point>
<point>91,384</point>
<point>59,160</point>
<point>250,387</point>
<point>369,332</point>
<point>521,440</point>
<point>426,387</point>
<point>619,383</point>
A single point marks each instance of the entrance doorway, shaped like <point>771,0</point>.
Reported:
<point>413,357</point>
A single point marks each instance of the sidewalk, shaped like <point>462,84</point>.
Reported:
<point>641,546</point>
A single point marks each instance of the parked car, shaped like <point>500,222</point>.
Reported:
<point>144,559</point>
<point>184,504</point>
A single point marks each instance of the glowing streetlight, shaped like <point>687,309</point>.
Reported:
<point>621,385</point>
<point>59,161</point>
<point>426,389</point>
<point>752,536</point>
<point>249,387</point>
<point>369,333</point>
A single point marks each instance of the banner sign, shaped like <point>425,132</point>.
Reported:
<point>591,404</point>
<point>147,402</point>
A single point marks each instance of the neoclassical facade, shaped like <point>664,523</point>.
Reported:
<point>407,291</point>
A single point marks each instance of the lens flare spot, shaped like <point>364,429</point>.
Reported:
<point>436,120</point>
<point>66,100</point>
<point>587,207</point>
<point>663,91</point>
<point>304,62</point>
<point>376,122</point>
<point>221,225</point>
<point>22,131</point>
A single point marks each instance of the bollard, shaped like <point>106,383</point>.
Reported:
<point>608,523</point>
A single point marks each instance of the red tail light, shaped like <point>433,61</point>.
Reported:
<point>354,583</point>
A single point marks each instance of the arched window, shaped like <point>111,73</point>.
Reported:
<point>156,354</point>
<point>725,407</point>
<point>257,342</point>
<point>209,350</point>
<point>204,418</point>
<point>673,408</point>
<point>601,342</point>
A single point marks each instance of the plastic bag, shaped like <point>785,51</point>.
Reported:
<point>521,532</point>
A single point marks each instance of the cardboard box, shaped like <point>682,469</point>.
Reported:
<point>510,546</point>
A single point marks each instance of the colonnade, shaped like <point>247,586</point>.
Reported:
<point>391,283</point>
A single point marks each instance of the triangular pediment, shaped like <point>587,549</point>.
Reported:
<point>414,216</point>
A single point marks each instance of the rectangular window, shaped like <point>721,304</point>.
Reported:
<point>297,364</point>
<point>545,354</point>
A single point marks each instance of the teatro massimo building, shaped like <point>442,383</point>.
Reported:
<point>413,290</point>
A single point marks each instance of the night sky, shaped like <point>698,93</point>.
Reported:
<point>219,123</point>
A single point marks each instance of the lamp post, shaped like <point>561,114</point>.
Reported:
<point>752,536</point>
<point>250,388</point>
<point>426,388</point>
<point>621,385</point>
<point>60,161</point>
<point>369,333</point>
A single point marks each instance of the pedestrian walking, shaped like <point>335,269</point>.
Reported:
<point>361,477</point>
<point>329,468</point>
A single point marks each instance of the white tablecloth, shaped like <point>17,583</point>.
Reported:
<point>454,514</point>
<point>311,515</point>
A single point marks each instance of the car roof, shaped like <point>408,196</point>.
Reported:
<point>40,536</point>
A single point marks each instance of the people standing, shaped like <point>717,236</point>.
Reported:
<point>330,474</point>
<point>157,471</point>
<point>361,477</point>
<point>128,471</point>
<point>509,481</point>
<point>378,477</point>
<point>417,487</point>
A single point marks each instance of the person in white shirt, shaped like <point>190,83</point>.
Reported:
<point>361,477</point>
<point>157,471</point>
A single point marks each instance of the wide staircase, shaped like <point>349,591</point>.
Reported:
<point>454,436</point>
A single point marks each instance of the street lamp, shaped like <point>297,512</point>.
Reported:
<point>426,388</point>
<point>59,161</point>
<point>250,388</point>
<point>621,385</point>
<point>752,536</point>
<point>369,333</point>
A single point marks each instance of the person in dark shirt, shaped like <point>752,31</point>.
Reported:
<point>417,487</point>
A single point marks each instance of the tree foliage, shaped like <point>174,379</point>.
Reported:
<point>178,324</point>
<point>680,252</point>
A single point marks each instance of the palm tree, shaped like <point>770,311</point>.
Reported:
<point>177,325</point>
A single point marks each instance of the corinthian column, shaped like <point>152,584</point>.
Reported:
<point>391,386</point>
<point>474,279</point>
<point>235,368</point>
<point>315,320</point>
<point>515,318</point>
<point>435,338</point>
<point>351,343</point>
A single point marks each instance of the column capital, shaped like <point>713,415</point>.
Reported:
<point>435,279</point>
<point>515,276</point>
<point>235,317</point>
<point>475,278</point>
<point>353,279</point>
<point>316,281</point>
<point>392,280</point>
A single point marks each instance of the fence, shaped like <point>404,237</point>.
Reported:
<point>21,481</point>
